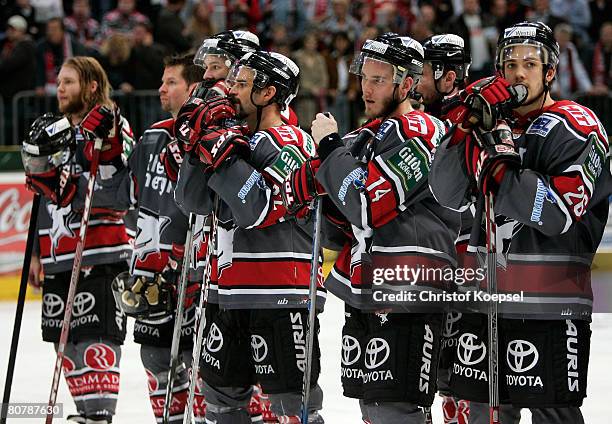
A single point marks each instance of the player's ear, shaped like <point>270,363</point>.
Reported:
<point>550,74</point>
<point>450,77</point>
<point>407,85</point>
<point>269,92</point>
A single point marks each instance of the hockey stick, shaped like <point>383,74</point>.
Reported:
<point>492,310</point>
<point>200,319</point>
<point>178,320</point>
<point>23,285</point>
<point>312,302</point>
<point>74,278</point>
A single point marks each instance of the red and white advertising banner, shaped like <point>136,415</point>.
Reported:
<point>15,207</point>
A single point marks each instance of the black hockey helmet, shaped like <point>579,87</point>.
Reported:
<point>405,54</point>
<point>49,145</point>
<point>231,44</point>
<point>270,68</point>
<point>536,34</point>
<point>446,52</point>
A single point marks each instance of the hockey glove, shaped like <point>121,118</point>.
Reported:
<point>216,144</point>
<point>102,122</point>
<point>172,158</point>
<point>182,129</point>
<point>142,297</point>
<point>48,186</point>
<point>301,187</point>
<point>486,100</point>
<point>488,156</point>
<point>212,113</point>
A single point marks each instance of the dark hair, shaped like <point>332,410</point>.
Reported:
<point>191,73</point>
<point>56,19</point>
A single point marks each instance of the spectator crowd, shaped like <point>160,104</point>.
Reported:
<point>131,37</point>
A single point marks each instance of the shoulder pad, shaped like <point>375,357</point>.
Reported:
<point>256,138</point>
<point>166,124</point>
<point>578,118</point>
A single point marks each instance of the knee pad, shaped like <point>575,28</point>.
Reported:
<point>227,405</point>
<point>394,413</point>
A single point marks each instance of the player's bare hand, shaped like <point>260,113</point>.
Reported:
<point>34,279</point>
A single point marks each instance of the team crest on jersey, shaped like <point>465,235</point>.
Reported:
<point>61,219</point>
<point>542,126</point>
<point>382,130</point>
<point>150,228</point>
<point>254,141</point>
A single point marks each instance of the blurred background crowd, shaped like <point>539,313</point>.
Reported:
<point>131,37</point>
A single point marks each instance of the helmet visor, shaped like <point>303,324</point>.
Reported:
<point>525,50</point>
<point>377,68</point>
<point>243,76</point>
<point>34,164</point>
<point>209,54</point>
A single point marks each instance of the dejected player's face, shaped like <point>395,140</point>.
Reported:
<point>216,67</point>
<point>427,85</point>
<point>377,86</point>
<point>523,65</point>
<point>174,90</point>
<point>240,92</point>
<point>69,91</point>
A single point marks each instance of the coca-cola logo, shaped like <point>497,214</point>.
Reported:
<point>14,217</point>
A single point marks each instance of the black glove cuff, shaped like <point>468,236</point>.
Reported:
<point>328,145</point>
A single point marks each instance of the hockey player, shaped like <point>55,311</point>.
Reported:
<point>56,157</point>
<point>149,294</point>
<point>215,56</point>
<point>376,179</point>
<point>258,323</point>
<point>445,72</point>
<point>550,181</point>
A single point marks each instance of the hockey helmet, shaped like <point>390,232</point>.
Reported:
<point>270,68</point>
<point>49,145</point>
<point>231,45</point>
<point>446,52</point>
<point>535,34</point>
<point>405,54</point>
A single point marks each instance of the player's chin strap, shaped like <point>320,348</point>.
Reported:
<point>259,111</point>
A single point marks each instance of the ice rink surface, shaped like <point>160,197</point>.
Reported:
<point>36,359</point>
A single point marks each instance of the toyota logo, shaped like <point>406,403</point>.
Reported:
<point>518,353</point>
<point>83,303</point>
<point>260,348</point>
<point>350,350</point>
<point>214,341</point>
<point>53,305</point>
<point>467,349</point>
<point>451,319</point>
<point>377,352</point>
